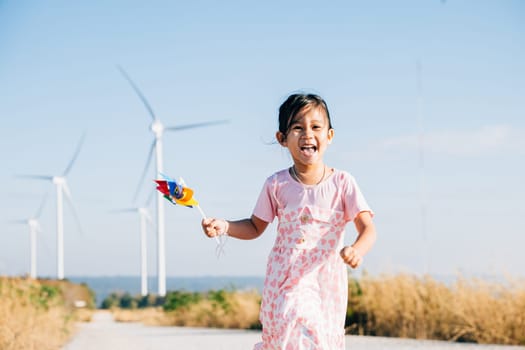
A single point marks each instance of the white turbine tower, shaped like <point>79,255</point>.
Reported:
<point>158,129</point>
<point>34,229</point>
<point>421,165</point>
<point>61,188</point>
<point>145,218</point>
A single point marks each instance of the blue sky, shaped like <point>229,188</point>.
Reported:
<point>238,60</point>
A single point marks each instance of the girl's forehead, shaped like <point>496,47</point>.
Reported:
<point>316,113</point>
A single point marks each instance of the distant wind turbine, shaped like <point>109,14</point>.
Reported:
<point>144,219</point>
<point>421,164</point>
<point>34,229</point>
<point>61,188</point>
<point>158,129</point>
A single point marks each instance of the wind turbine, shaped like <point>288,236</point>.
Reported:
<point>61,188</point>
<point>144,219</point>
<point>34,229</point>
<point>158,130</point>
<point>421,165</point>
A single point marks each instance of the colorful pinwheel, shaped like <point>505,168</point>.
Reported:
<point>175,192</point>
<point>178,193</point>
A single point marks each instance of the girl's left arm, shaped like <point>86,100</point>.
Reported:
<point>366,230</point>
<point>366,237</point>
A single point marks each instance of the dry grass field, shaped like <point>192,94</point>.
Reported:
<point>40,314</point>
<point>468,310</point>
<point>232,309</point>
<point>37,314</point>
<point>404,306</point>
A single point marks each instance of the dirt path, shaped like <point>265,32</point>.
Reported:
<point>105,334</point>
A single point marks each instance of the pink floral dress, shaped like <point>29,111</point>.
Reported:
<point>305,292</point>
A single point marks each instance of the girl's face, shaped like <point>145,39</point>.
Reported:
<point>308,136</point>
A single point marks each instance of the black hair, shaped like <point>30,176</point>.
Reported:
<point>294,104</point>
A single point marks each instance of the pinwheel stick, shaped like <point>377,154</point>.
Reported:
<point>202,212</point>
<point>178,193</point>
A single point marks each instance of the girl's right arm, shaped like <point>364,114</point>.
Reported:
<point>250,228</point>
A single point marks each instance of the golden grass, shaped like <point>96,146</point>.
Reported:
<point>468,310</point>
<point>152,316</point>
<point>33,315</point>
<point>84,315</point>
<point>240,309</point>
<point>407,306</point>
<point>242,312</point>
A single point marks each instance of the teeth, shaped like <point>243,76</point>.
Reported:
<point>309,149</point>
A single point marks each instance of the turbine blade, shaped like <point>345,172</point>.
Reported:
<point>39,211</point>
<point>150,196</point>
<point>124,210</point>
<point>35,177</point>
<point>196,125</point>
<point>149,220</point>
<point>67,192</point>
<point>69,199</point>
<point>148,161</point>
<point>75,155</point>
<point>138,92</point>
<point>17,222</point>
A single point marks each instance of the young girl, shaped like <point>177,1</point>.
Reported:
<point>305,293</point>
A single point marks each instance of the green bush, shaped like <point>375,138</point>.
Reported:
<point>180,299</point>
<point>219,299</point>
<point>42,295</point>
<point>113,300</point>
<point>147,301</point>
<point>127,302</point>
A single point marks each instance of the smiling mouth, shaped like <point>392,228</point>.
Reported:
<point>308,149</point>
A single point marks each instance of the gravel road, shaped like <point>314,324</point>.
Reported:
<point>105,334</point>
